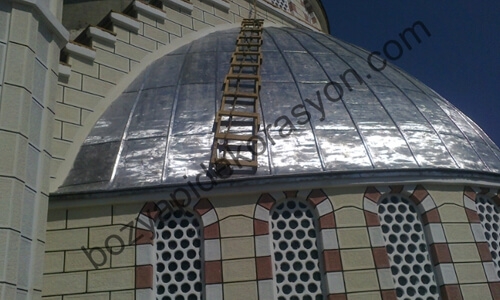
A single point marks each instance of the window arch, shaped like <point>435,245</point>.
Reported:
<point>407,248</point>
<point>296,250</point>
<point>489,215</point>
<point>178,254</point>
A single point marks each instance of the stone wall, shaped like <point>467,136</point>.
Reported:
<point>238,251</point>
<point>30,40</point>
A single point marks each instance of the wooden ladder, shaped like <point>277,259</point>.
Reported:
<point>237,121</point>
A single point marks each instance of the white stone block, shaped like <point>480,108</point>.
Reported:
<point>266,290</point>
<point>329,239</point>
<point>445,274</point>
<point>335,282</point>
<point>212,250</point>
<point>262,245</point>
<point>145,255</point>
<point>434,233</point>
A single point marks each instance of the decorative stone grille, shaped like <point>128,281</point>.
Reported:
<point>296,261</point>
<point>403,233</point>
<point>178,268</point>
<point>489,215</point>
<point>283,4</point>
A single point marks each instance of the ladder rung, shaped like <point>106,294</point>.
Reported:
<point>235,137</point>
<point>239,114</point>
<point>247,53</point>
<point>232,162</point>
<point>243,76</point>
<point>245,64</point>
<point>242,95</point>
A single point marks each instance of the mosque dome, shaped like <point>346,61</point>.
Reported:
<point>326,110</point>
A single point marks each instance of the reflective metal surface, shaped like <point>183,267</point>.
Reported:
<point>159,131</point>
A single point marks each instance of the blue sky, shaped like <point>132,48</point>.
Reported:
<point>460,60</point>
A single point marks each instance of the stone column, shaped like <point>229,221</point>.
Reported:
<point>31,37</point>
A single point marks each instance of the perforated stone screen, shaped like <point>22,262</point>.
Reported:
<point>296,261</point>
<point>489,215</point>
<point>178,267</point>
<point>405,242</point>
<point>283,4</point>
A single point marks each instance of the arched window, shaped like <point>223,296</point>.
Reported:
<point>178,254</point>
<point>489,215</point>
<point>407,248</point>
<point>296,251</point>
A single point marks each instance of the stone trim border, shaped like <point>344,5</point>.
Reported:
<point>444,269</point>
<point>470,197</point>
<point>145,251</point>
<point>327,236</point>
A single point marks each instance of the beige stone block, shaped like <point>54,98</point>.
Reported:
<point>197,14</point>
<point>64,283</point>
<point>236,226</point>
<point>238,270</point>
<point>156,34</point>
<point>91,216</point>
<point>170,26</point>
<point>10,205</point>
<point>146,19</point>
<point>112,60</point>
<point>451,213</point>
<point>69,131</point>
<point>60,148</point>
<point>178,17</point>
<point>345,197</point>
<point>104,45</point>
<point>464,252</point>
<point>9,255</point>
<point>458,233</point>
<point>203,6</point>
<point>85,114</point>
<point>123,295</point>
<point>53,262</point>
<point>79,261</point>
<point>223,14</point>
<point>476,291</point>
<point>237,247</point>
<point>23,26</point>
<point>115,235</point>
<point>236,205</point>
<point>470,272</point>
<point>199,25</point>
<point>131,52</point>
<point>15,106</point>
<point>353,237</point>
<point>359,281</point>
<point>185,31</point>
<point>110,74</point>
<point>126,258</point>
<point>122,34</point>
<point>56,219</point>
<point>67,113</point>
<point>96,86</point>
<point>349,217</point>
<point>73,81</point>
<point>446,194</point>
<point>57,129</point>
<point>52,298</point>
<point>238,289</point>
<point>91,296</point>
<point>357,259</point>
<point>143,42</point>
<point>14,150</point>
<point>126,213</point>
<point>70,239</point>
<point>213,20</point>
<point>111,279</point>
<point>80,99</point>
<point>84,66</point>
<point>364,296</point>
